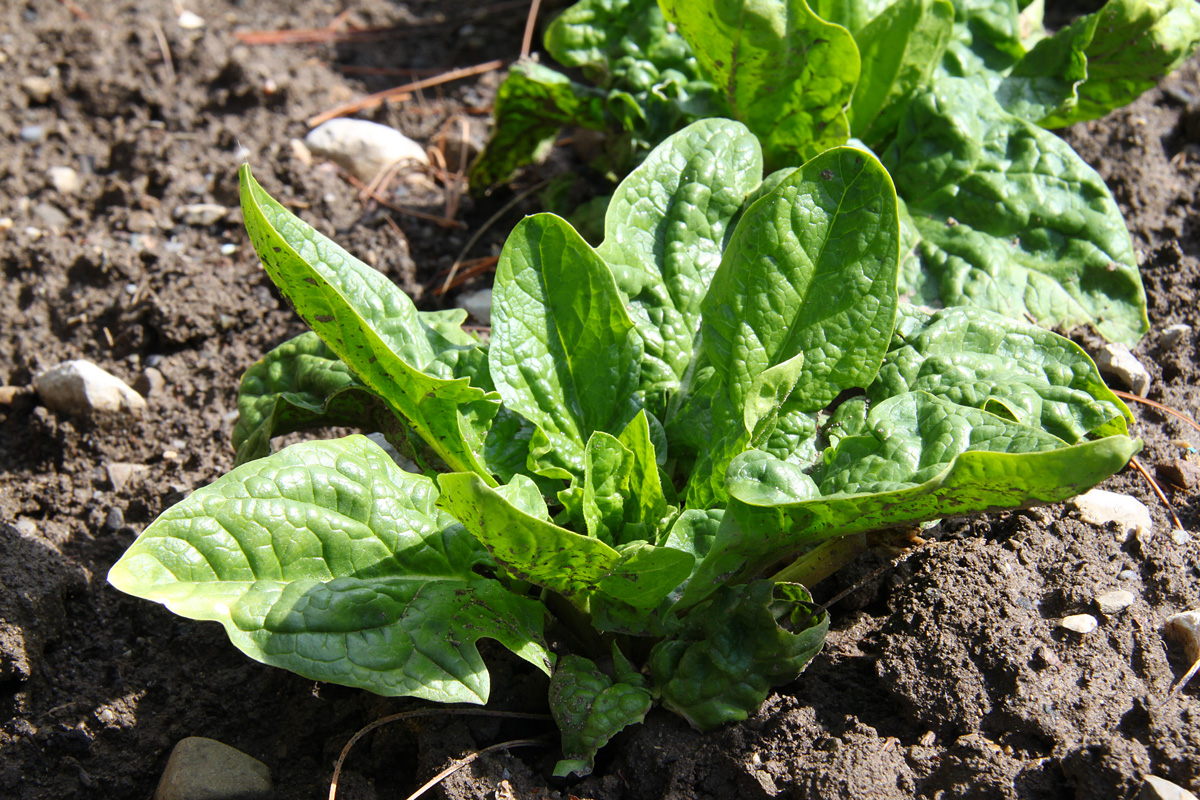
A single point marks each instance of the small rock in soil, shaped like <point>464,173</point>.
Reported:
<point>1156,788</point>
<point>201,215</point>
<point>1173,333</point>
<point>51,216</point>
<point>120,474</point>
<point>364,148</point>
<point>140,222</point>
<point>1114,602</point>
<point>33,134</point>
<point>1101,507</point>
<point>205,769</point>
<point>1080,623</point>
<point>1116,360</point>
<point>150,382</point>
<point>64,179</point>
<point>1183,473</point>
<point>38,88</point>
<point>1185,629</point>
<point>191,21</point>
<point>1180,537</point>
<point>81,387</point>
<point>478,305</point>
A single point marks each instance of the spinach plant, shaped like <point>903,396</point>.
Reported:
<point>955,95</point>
<point>659,439</point>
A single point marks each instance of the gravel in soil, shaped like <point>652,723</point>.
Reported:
<point>947,676</point>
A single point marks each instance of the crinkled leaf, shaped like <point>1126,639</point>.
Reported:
<point>733,648</point>
<point>564,353</point>
<point>329,560</point>
<point>590,708</point>
<point>978,481</point>
<point>369,323</point>
<point>533,549</point>
<point>989,362</point>
<point>1135,43</point>
<point>623,500</point>
<point>900,49</point>
<point>802,305</point>
<point>1011,218</point>
<point>299,385</point>
<point>987,38</point>
<point>664,232</point>
<point>532,104</point>
<point>1046,79</point>
<point>778,67</point>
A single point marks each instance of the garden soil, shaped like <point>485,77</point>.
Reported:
<point>944,676</point>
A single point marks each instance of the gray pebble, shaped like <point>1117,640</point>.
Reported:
<point>1173,333</point>
<point>1118,361</point>
<point>1156,788</point>
<point>33,133</point>
<point>81,387</point>
<point>1114,602</point>
<point>203,769</point>
<point>51,216</point>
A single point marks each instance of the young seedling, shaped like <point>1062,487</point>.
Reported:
<point>726,383</point>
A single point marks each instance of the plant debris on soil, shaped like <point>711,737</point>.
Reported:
<point>945,676</point>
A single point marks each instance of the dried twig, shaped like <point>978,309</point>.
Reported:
<point>530,22</point>
<point>166,50</point>
<point>383,201</point>
<point>462,762</point>
<point>1140,467</point>
<point>424,712</point>
<point>379,98</point>
<point>1165,409</point>
<point>483,228</point>
<point>468,270</point>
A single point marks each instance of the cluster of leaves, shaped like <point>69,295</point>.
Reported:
<point>955,96</point>
<point>726,383</point>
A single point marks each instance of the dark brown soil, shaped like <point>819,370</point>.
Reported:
<point>947,677</point>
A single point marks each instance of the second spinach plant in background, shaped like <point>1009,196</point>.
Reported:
<point>996,212</point>
<point>650,428</point>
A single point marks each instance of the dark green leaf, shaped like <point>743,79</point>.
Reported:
<point>733,648</point>
<point>590,709</point>
<point>1011,218</point>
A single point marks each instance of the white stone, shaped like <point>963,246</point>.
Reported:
<point>38,88</point>
<point>1116,360</point>
<point>201,214</point>
<point>1185,629</point>
<point>1114,602</point>
<point>1101,507</point>
<point>81,387</point>
<point>1080,623</point>
<point>1156,788</point>
<point>190,21</point>
<point>205,769</point>
<point>478,305</point>
<point>364,148</point>
<point>1180,537</point>
<point>64,179</point>
<point>1173,333</point>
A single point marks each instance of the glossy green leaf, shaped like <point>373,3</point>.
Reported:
<point>623,500</point>
<point>590,708</point>
<point>302,384</point>
<point>369,323</point>
<point>753,536</point>
<point>564,353</point>
<point>329,560</point>
<point>533,549</point>
<point>778,67</point>
<point>811,269</point>
<point>802,304</point>
<point>900,49</point>
<point>1046,80</point>
<point>1135,44</point>
<point>1011,218</point>
<point>987,37</point>
<point>664,233</point>
<point>532,104</point>
<point>733,648</point>
<point>1006,366</point>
